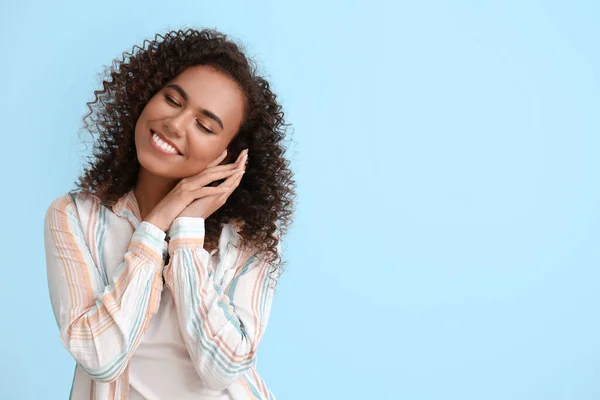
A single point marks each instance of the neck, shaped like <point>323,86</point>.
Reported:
<point>150,189</point>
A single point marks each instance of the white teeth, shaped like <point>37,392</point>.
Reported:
<point>163,145</point>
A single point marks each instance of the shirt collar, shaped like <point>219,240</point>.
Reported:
<point>127,207</point>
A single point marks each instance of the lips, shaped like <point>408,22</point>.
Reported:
<point>164,139</point>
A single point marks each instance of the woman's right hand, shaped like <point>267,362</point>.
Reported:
<point>191,188</point>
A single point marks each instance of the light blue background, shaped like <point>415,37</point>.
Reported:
<point>447,238</point>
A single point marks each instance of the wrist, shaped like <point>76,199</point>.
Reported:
<point>154,220</point>
<point>186,232</point>
<point>184,226</point>
<point>189,214</point>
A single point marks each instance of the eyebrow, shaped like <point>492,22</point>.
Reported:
<point>209,114</point>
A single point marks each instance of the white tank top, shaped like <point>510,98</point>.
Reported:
<point>161,367</point>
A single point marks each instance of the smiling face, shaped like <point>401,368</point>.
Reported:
<point>188,123</point>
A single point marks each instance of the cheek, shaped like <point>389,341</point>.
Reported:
<point>142,120</point>
<point>202,149</point>
<point>154,108</point>
<point>138,133</point>
<point>200,153</point>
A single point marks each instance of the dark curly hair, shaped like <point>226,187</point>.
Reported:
<point>263,202</point>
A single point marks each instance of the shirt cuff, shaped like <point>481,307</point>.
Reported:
<point>186,232</point>
<point>148,240</point>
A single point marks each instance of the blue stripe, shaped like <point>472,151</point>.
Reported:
<point>263,297</point>
<point>78,232</point>
<point>100,247</point>
<point>131,216</point>
<point>234,282</point>
<point>148,239</point>
<point>253,388</point>
<point>196,323</point>
<point>177,231</point>
<point>117,361</point>
<point>222,259</point>
<point>225,307</point>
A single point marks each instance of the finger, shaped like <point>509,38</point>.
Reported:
<point>231,188</point>
<point>209,191</point>
<point>223,198</point>
<point>232,179</point>
<point>214,176</point>
<point>241,162</point>
<point>242,157</point>
<point>218,160</point>
<point>237,182</point>
<point>240,175</point>
<point>218,168</point>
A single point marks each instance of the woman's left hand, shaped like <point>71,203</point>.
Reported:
<point>205,206</point>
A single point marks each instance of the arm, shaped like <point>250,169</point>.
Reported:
<point>220,327</point>
<point>100,330</point>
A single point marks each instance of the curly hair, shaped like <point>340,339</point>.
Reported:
<point>263,202</point>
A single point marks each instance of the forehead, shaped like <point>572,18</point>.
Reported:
<point>212,90</point>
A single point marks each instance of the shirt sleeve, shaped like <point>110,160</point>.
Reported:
<point>223,311</point>
<point>101,330</point>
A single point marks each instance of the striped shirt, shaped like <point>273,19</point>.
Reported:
<point>106,274</point>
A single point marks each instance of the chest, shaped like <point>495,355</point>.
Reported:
<point>108,237</point>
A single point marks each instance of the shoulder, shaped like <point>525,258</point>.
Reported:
<point>236,224</point>
<point>72,204</point>
<point>234,233</point>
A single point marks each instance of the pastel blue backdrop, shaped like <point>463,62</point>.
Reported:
<point>447,237</point>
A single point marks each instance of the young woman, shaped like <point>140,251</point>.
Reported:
<point>162,263</point>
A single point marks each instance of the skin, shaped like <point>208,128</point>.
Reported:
<point>200,122</point>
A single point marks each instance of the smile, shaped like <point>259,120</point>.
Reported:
<point>162,145</point>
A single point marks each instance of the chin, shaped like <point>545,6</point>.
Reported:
<point>156,167</point>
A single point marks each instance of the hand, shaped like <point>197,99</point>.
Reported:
<point>189,189</point>
<point>207,205</point>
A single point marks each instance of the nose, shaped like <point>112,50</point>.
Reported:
<point>176,125</point>
<point>173,128</point>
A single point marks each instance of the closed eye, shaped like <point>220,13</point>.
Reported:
<point>170,100</point>
<point>205,128</point>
